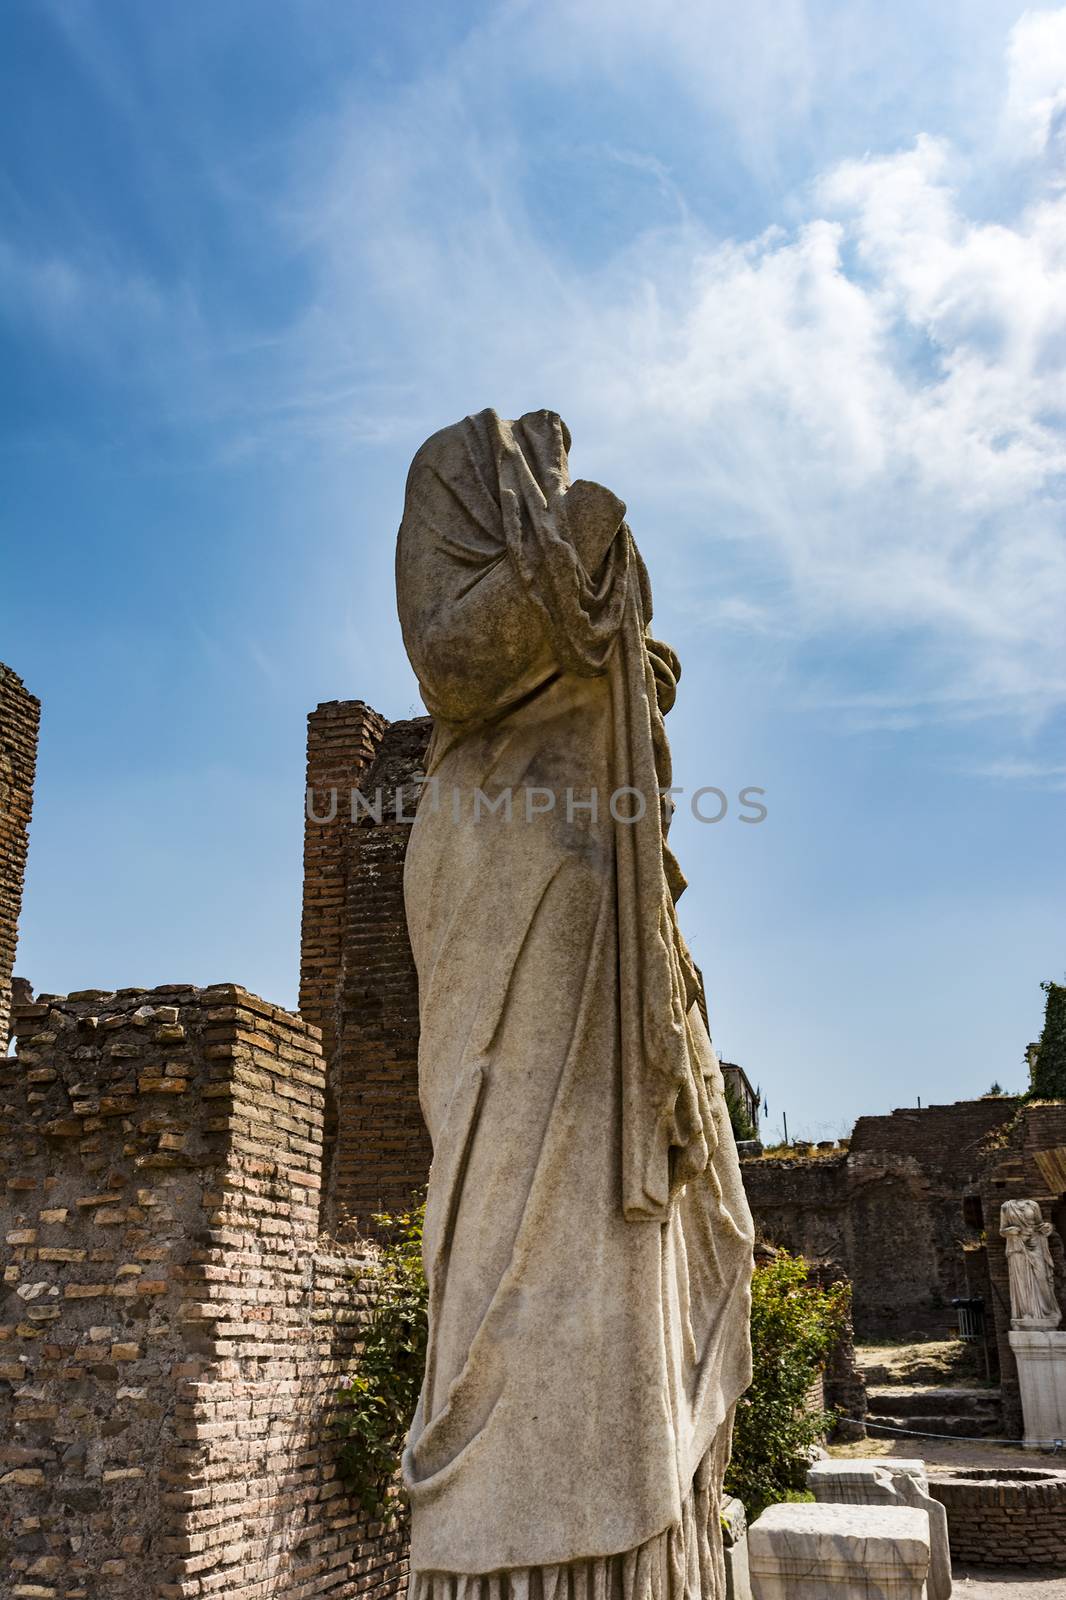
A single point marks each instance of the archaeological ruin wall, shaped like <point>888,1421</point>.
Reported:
<point>172,1331</point>
<point>358,980</point>
<point>890,1210</point>
<point>20,716</point>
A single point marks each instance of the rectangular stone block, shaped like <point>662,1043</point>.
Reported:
<point>889,1480</point>
<point>817,1552</point>
<point>1041,1358</point>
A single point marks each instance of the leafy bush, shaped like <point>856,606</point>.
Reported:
<point>1049,1073</point>
<point>377,1404</point>
<point>794,1325</point>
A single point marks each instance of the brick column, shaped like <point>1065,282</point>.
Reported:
<point>20,715</point>
<point>342,738</point>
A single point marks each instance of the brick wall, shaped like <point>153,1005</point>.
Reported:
<point>358,977</point>
<point>342,738</point>
<point>889,1210</point>
<point>171,1331</point>
<point>1004,1519</point>
<point>20,715</point>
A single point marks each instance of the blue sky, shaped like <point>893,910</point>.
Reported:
<point>797,281</point>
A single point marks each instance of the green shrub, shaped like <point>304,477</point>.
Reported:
<point>1049,1073</point>
<point>377,1403</point>
<point>794,1325</point>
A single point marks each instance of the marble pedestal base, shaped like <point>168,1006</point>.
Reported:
<point>888,1481</point>
<point>839,1552</point>
<point>1041,1358</point>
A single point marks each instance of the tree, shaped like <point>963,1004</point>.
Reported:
<point>1049,1071</point>
<point>738,1117</point>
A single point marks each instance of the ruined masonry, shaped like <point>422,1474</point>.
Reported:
<point>20,716</point>
<point>173,1326</point>
<point>357,975</point>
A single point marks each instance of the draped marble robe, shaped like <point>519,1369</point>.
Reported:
<point>587,1239</point>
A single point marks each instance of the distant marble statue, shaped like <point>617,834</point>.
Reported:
<point>1029,1263</point>
<point>587,1240</point>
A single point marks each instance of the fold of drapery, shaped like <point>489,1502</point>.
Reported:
<point>588,1306</point>
<point>683,1562</point>
<point>511,503</point>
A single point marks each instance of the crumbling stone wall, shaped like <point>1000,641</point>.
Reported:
<point>358,975</point>
<point>889,1210</point>
<point>20,715</point>
<point>173,1327</point>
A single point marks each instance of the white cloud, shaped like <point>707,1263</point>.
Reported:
<point>872,397</point>
<point>864,404</point>
<point>1035,108</point>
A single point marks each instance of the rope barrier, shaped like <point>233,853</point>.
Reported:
<point>1051,1446</point>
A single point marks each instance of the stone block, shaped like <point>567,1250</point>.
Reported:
<point>889,1480</point>
<point>815,1552</point>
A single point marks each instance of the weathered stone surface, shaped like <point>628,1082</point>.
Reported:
<point>813,1552</point>
<point>1029,1265</point>
<point>735,1550</point>
<point>888,1480</point>
<point>1041,1360</point>
<point>565,1068</point>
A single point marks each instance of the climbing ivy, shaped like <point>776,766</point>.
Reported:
<point>1049,1073</point>
<point>378,1401</point>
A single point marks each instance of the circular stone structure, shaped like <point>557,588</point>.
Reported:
<point>1004,1516</point>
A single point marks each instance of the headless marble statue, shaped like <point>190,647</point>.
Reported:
<point>1029,1265</point>
<point>587,1239</point>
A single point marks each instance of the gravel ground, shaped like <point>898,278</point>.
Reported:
<point>1014,1583</point>
<point>955,1453</point>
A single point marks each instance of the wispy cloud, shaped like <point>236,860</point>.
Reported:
<point>869,399</point>
<point>853,418</point>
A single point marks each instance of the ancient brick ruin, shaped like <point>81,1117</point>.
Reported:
<point>357,975</point>
<point>175,1321</point>
<point>20,716</point>
<point>888,1209</point>
<point>174,1328</point>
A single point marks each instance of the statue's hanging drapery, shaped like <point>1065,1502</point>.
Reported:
<point>588,1244</point>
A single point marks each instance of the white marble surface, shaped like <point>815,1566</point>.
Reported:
<point>1029,1264</point>
<point>820,1552</point>
<point>889,1480</point>
<point>1041,1358</point>
<point>588,1243</point>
